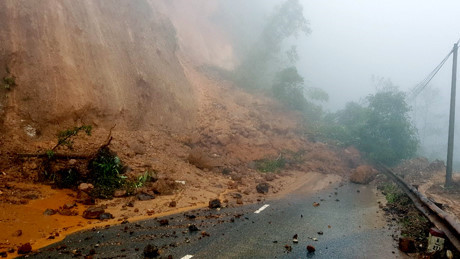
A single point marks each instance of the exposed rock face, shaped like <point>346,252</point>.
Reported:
<point>363,174</point>
<point>90,65</point>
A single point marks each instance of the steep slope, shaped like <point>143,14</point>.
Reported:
<point>91,62</point>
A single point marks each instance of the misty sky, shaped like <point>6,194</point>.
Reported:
<point>353,40</point>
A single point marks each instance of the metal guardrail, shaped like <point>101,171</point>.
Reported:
<point>437,216</point>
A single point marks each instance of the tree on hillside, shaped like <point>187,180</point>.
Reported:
<point>264,59</point>
<point>289,88</point>
<point>388,135</point>
<point>382,130</point>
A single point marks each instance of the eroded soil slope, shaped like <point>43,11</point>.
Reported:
<point>87,62</point>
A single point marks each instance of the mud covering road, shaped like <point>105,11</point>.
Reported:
<point>348,216</point>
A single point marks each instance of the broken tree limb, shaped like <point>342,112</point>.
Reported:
<point>70,156</point>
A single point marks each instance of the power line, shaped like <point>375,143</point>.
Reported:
<point>422,85</point>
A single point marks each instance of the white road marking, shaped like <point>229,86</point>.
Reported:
<point>187,257</point>
<point>261,209</point>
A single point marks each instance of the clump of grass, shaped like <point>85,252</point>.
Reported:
<point>131,185</point>
<point>394,195</point>
<point>413,223</point>
<point>271,165</point>
<point>9,82</point>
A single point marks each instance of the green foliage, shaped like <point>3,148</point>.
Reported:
<point>9,82</point>
<point>271,165</point>
<point>65,136</point>
<point>288,87</point>
<point>50,154</point>
<point>106,173</point>
<point>394,195</point>
<point>382,130</point>
<point>388,135</point>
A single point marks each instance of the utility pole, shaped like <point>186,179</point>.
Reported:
<point>450,141</point>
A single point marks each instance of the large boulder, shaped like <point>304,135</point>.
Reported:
<point>363,174</point>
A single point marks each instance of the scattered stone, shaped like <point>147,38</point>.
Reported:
<point>151,251</point>
<point>18,233</point>
<point>311,249</point>
<point>363,174</point>
<point>239,201</point>
<point>163,222</point>
<point>142,196</point>
<point>69,205</point>
<point>105,216</point>
<point>190,216</point>
<point>214,204</point>
<point>193,228</point>
<point>11,250</point>
<point>25,248</point>
<point>130,203</point>
<point>406,244</point>
<point>294,239</point>
<point>72,161</point>
<point>288,248</point>
<point>136,210</point>
<point>262,188</point>
<point>3,254</point>
<point>173,204</point>
<point>270,177</point>
<point>85,199</point>
<point>204,234</point>
<point>119,193</point>
<point>236,195</point>
<point>86,187</point>
<point>31,196</point>
<point>320,232</point>
<point>164,186</point>
<point>67,212</point>
<point>61,247</point>
<point>315,204</point>
<point>93,212</point>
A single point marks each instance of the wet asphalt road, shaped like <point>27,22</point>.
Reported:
<point>352,224</point>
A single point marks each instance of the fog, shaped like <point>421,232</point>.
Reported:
<point>353,40</point>
<point>353,44</point>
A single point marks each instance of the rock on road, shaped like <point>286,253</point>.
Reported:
<point>346,224</point>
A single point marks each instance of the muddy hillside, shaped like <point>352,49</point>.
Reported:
<point>138,73</point>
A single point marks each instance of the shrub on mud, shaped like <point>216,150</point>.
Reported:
<point>106,173</point>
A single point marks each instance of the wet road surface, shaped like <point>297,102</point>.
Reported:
<point>348,216</point>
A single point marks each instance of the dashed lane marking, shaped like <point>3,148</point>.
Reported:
<point>261,209</point>
<point>187,257</point>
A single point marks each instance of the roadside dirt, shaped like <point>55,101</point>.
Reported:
<point>429,179</point>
